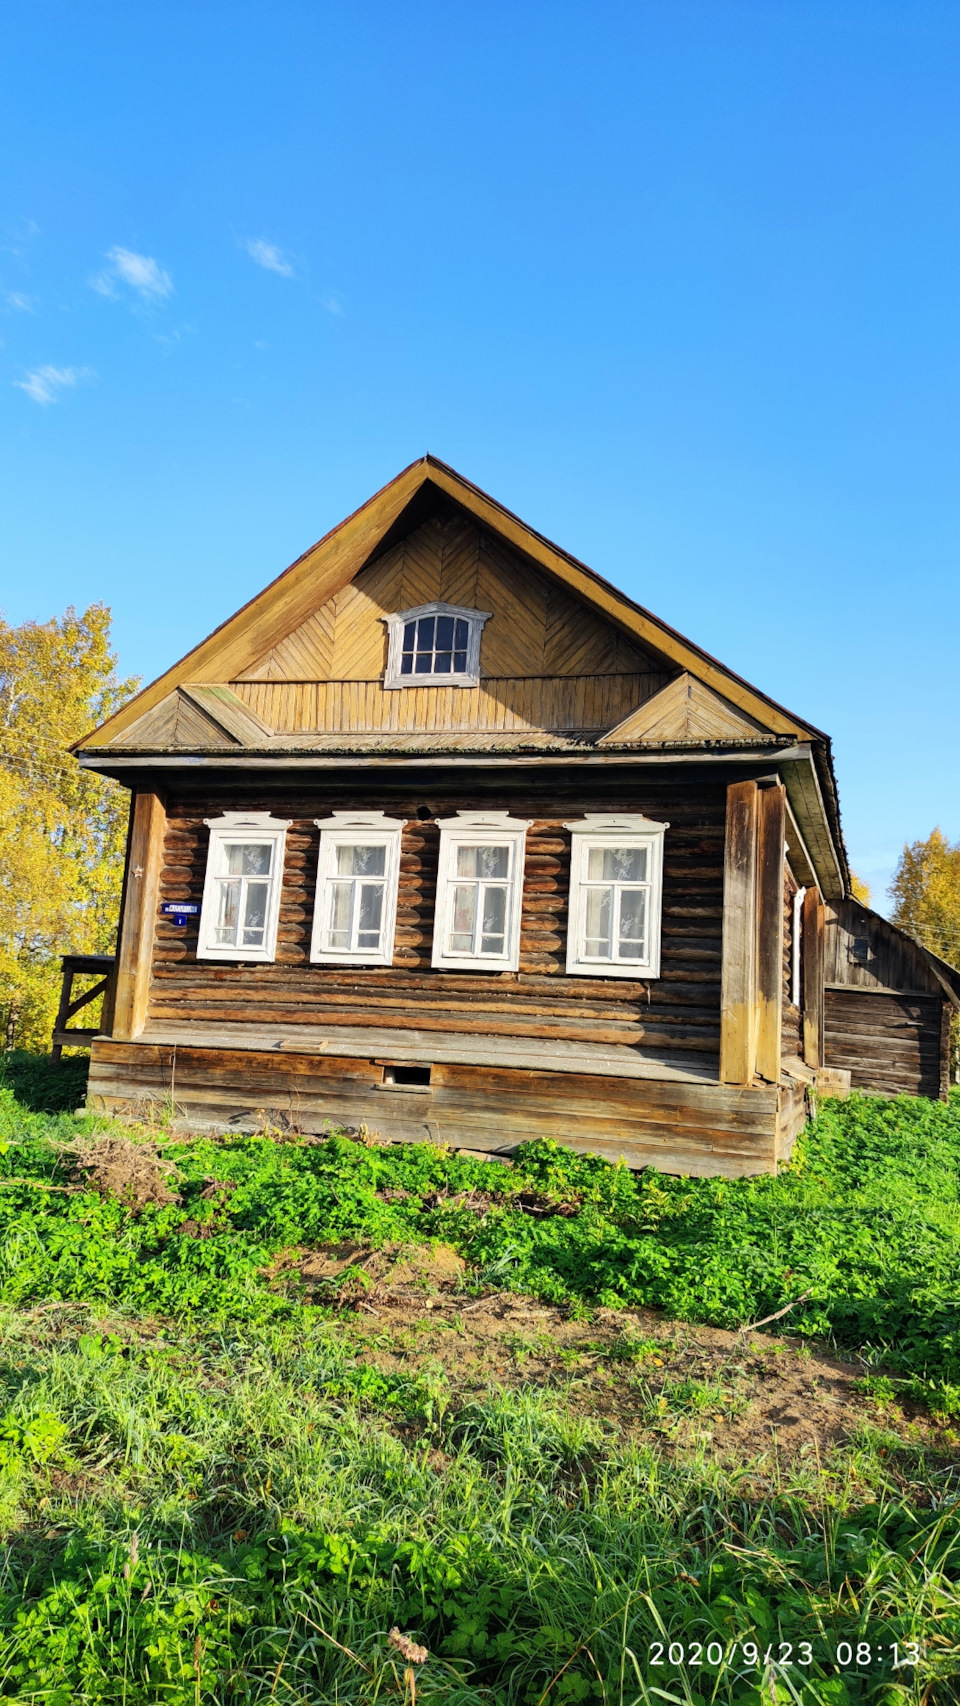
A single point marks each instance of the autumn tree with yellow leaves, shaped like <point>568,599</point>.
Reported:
<point>926,894</point>
<point>62,829</point>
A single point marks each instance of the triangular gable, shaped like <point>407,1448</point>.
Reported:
<point>684,710</point>
<point>195,716</point>
<point>331,565</point>
<point>537,628</point>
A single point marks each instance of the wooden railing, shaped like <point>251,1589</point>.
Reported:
<point>75,965</point>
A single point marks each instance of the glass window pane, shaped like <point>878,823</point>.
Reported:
<point>361,861</point>
<point>467,861</point>
<point>464,915</point>
<point>494,921</point>
<point>409,636</point>
<point>371,912</point>
<point>444,640</point>
<point>247,859</point>
<point>406,664</point>
<point>228,912</point>
<point>255,906</point>
<point>341,904</point>
<point>441,663</point>
<point>462,638</point>
<point>425,628</point>
<point>459,662</point>
<point>424,664</point>
<point>493,862</point>
<point>597,933</point>
<point>633,923</point>
<point>617,864</point>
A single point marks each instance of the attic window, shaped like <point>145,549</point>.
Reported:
<point>436,645</point>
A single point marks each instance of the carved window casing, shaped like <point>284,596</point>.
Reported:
<point>616,896</point>
<point>358,876</point>
<point>241,891</point>
<point>434,645</point>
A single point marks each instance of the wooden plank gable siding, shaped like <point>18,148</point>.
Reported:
<point>678,1011</point>
<point>583,703</point>
<point>537,628</point>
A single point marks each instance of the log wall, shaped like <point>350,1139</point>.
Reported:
<point>679,1011</point>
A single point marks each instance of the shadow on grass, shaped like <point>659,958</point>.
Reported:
<point>41,1085</point>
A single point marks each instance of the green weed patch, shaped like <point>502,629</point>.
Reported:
<point>865,1222</point>
<point>209,1495</point>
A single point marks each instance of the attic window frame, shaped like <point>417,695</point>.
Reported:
<point>240,828</point>
<point>628,830</point>
<point>396,626</point>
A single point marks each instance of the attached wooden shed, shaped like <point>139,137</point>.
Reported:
<point>887,1005</point>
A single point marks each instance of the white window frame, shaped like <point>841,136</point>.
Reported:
<point>469,677</point>
<point>241,827</point>
<point>614,830</point>
<point>347,829</point>
<point>475,829</point>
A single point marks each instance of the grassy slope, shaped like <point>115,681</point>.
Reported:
<point>286,1497</point>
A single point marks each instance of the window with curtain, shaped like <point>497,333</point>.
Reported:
<point>479,891</point>
<point>241,894</point>
<point>358,876</point>
<point>616,881</point>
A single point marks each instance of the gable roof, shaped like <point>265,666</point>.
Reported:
<point>220,699</point>
<point>320,573</point>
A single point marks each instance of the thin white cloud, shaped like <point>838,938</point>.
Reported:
<point>268,255</point>
<point>44,384</point>
<point>141,272</point>
<point>332,304</point>
<point>16,300</point>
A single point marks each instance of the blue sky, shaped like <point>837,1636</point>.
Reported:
<point>678,282</point>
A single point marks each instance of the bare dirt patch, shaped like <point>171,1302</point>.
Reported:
<point>742,1397</point>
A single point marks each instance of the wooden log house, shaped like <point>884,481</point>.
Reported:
<point>443,834</point>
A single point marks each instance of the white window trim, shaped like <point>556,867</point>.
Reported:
<point>796,940</point>
<point>478,829</point>
<point>348,828</point>
<point>622,830</point>
<point>470,677</point>
<point>243,826</point>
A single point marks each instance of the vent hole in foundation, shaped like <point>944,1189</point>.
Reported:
<point>406,1074</point>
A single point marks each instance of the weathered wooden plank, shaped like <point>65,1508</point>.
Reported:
<point>141,895</point>
<point>771,818</point>
<point>738,998</point>
<point>677,1127</point>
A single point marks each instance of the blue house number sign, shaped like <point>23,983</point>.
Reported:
<point>179,911</point>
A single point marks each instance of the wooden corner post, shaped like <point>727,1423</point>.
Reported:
<point>738,980</point>
<point>135,948</point>
<point>771,834</point>
<point>813,922</point>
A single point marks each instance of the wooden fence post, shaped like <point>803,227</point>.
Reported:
<point>135,949</point>
<point>771,831</point>
<point>738,992</point>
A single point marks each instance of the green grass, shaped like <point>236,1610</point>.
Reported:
<point>209,1496</point>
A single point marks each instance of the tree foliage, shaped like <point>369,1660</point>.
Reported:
<point>859,889</point>
<point>926,894</point>
<point>62,830</point>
